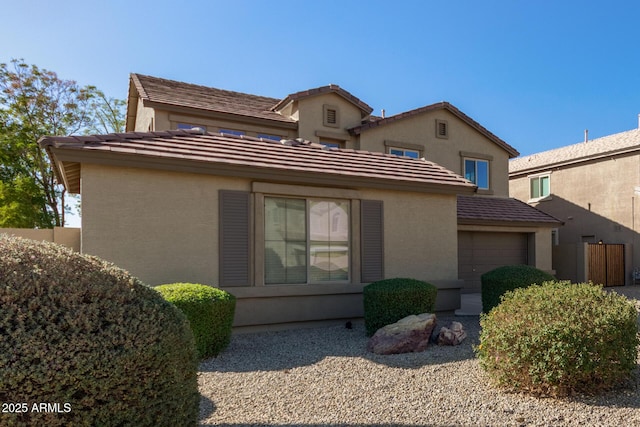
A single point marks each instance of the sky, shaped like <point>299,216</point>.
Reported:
<point>535,73</point>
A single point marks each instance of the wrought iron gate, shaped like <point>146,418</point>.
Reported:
<point>606,264</point>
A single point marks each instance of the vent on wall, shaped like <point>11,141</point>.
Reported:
<point>442,129</point>
<point>331,116</point>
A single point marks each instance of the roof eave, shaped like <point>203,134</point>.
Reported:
<point>64,158</point>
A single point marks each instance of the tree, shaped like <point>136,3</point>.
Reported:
<point>34,103</point>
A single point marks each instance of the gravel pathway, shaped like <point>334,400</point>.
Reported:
<point>325,377</point>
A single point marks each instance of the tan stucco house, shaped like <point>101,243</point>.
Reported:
<point>593,187</point>
<point>294,204</point>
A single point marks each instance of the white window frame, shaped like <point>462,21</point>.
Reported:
<point>476,160</point>
<point>404,152</point>
<point>538,177</point>
<point>309,255</point>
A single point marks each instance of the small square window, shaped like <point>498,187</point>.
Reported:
<point>271,137</point>
<point>540,186</point>
<point>442,129</point>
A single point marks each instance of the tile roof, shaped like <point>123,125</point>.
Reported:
<point>170,92</point>
<point>433,107</point>
<point>584,151</point>
<point>494,210</point>
<point>252,157</point>
<point>366,109</point>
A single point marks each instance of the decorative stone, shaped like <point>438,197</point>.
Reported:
<point>407,335</point>
<point>452,334</point>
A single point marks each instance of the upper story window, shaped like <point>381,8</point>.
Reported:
<point>271,137</point>
<point>477,171</point>
<point>188,126</point>
<point>414,154</point>
<point>232,132</point>
<point>332,144</point>
<point>331,116</point>
<point>442,129</point>
<point>540,186</point>
<point>306,241</point>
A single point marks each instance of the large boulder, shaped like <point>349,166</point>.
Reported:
<point>410,334</point>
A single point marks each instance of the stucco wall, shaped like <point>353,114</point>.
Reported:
<point>421,130</point>
<point>596,201</point>
<point>144,117</point>
<point>163,227</point>
<point>310,112</point>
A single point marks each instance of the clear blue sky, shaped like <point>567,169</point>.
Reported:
<point>535,73</point>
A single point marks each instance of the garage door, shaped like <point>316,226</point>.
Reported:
<point>479,252</point>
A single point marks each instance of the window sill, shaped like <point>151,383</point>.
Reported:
<point>540,199</point>
<point>268,291</point>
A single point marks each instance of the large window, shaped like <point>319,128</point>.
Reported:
<point>540,186</point>
<point>306,241</point>
<point>477,171</point>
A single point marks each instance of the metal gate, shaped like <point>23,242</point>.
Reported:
<point>606,264</point>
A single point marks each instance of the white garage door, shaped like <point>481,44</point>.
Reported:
<point>479,252</point>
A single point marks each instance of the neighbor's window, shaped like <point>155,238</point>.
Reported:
<point>232,132</point>
<point>414,154</point>
<point>540,186</point>
<point>306,241</point>
<point>331,144</point>
<point>477,171</point>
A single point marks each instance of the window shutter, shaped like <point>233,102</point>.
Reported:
<point>234,251</point>
<point>372,244</point>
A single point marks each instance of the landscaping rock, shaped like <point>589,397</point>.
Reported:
<point>452,334</point>
<point>410,334</point>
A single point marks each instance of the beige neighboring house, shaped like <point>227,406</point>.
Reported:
<point>295,204</point>
<point>594,188</point>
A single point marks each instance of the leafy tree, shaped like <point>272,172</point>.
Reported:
<point>34,103</point>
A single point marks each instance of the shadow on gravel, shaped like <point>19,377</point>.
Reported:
<point>273,351</point>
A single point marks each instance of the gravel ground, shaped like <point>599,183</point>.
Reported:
<point>325,377</point>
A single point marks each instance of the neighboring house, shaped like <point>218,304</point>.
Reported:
<point>592,186</point>
<point>294,204</point>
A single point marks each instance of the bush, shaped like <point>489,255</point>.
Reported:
<point>502,279</point>
<point>390,300</point>
<point>209,310</point>
<point>81,333</point>
<point>558,339</point>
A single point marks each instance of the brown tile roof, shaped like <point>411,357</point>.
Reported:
<point>366,109</point>
<point>494,210</point>
<point>215,153</point>
<point>438,106</point>
<point>606,146</point>
<point>173,93</point>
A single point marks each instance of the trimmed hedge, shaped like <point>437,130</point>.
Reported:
<point>209,310</point>
<point>83,333</point>
<point>497,282</point>
<point>390,300</point>
<point>558,339</point>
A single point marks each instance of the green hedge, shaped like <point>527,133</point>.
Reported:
<point>497,282</point>
<point>209,310</point>
<point>389,300</point>
<point>559,339</point>
<point>83,333</point>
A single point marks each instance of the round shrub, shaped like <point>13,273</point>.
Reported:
<point>209,310</point>
<point>502,279</point>
<point>390,300</point>
<point>558,338</point>
<point>82,334</point>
